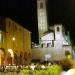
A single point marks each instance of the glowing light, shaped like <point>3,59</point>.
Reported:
<point>13,38</point>
<point>11,52</point>
<point>69,56</point>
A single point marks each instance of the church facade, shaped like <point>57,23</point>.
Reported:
<point>54,42</point>
<point>53,45</point>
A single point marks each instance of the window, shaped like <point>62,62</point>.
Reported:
<point>43,45</point>
<point>48,44</point>
<point>15,27</point>
<point>41,5</point>
<point>52,43</point>
<point>58,29</point>
<point>9,24</point>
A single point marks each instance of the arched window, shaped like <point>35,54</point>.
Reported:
<point>41,5</point>
<point>58,29</point>
<point>43,45</point>
<point>48,44</point>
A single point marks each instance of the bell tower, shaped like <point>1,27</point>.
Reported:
<point>42,17</point>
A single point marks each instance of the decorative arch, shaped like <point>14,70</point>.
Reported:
<point>2,56</point>
<point>25,56</point>
<point>15,58</point>
<point>3,50</point>
<point>10,58</point>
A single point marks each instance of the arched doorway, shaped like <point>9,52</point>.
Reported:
<point>10,57</point>
<point>2,55</point>
<point>15,58</point>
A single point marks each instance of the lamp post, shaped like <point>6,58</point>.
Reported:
<point>13,39</point>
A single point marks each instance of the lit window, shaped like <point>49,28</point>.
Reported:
<point>43,27</point>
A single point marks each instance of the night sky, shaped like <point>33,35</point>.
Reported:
<point>25,13</point>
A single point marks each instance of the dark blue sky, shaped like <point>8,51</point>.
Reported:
<point>24,12</point>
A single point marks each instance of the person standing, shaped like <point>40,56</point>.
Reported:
<point>66,65</point>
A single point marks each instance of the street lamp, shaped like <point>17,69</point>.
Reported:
<point>13,38</point>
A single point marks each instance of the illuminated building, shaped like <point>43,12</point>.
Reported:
<point>53,41</point>
<point>15,43</point>
<point>42,17</point>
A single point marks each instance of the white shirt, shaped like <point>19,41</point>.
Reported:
<point>63,73</point>
<point>71,72</point>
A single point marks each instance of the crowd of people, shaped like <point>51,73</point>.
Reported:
<point>67,67</point>
<point>14,67</point>
<point>32,66</point>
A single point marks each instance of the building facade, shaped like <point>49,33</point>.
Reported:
<point>15,43</point>
<point>54,43</point>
